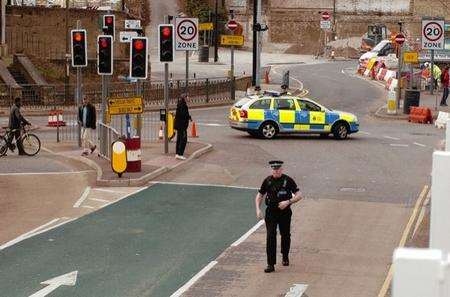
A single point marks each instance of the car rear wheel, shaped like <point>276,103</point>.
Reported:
<point>268,130</point>
<point>340,131</point>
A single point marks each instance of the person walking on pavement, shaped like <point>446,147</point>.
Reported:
<point>435,72</point>
<point>445,80</point>
<point>88,120</point>
<point>16,121</point>
<point>182,118</point>
<point>280,192</point>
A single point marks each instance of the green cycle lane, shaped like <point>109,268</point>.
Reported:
<point>148,244</point>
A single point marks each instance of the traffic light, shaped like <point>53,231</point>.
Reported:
<point>79,48</point>
<point>105,55</point>
<point>109,21</point>
<point>138,57</point>
<point>166,43</point>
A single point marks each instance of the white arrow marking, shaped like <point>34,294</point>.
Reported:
<point>68,279</point>
<point>297,290</point>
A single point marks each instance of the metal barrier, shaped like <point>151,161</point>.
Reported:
<point>110,135</point>
<point>61,97</point>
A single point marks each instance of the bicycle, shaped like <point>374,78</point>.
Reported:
<point>30,142</point>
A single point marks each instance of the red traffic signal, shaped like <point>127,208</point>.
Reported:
<point>104,55</point>
<point>79,48</point>
<point>109,25</point>
<point>139,58</point>
<point>166,43</point>
<point>109,20</point>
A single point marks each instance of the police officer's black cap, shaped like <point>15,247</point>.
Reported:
<point>276,164</point>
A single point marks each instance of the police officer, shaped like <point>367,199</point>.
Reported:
<point>279,191</point>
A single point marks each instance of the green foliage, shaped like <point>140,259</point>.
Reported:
<point>200,9</point>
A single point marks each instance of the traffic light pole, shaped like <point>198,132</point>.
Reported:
<point>255,40</point>
<point>166,106</point>
<point>139,116</point>
<point>258,49</point>
<point>79,98</point>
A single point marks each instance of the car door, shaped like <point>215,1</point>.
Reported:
<point>286,109</point>
<point>311,117</point>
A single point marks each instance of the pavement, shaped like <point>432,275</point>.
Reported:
<point>153,161</point>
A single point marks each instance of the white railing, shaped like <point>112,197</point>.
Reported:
<point>106,136</point>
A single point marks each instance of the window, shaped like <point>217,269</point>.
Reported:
<point>309,106</point>
<point>261,104</point>
<point>284,104</point>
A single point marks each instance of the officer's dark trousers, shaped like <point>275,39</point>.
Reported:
<point>283,220</point>
<point>19,144</point>
<point>181,142</point>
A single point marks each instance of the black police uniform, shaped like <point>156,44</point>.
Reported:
<point>277,190</point>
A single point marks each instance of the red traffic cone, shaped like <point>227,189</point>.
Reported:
<point>194,130</point>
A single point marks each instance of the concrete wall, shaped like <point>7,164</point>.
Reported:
<point>383,6</point>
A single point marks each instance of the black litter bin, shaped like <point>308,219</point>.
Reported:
<point>412,98</point>
<point>203,54</point>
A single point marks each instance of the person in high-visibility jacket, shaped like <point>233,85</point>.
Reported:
<point>436,72</point>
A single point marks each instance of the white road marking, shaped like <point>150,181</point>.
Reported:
<point>87,206</point>
<point>192,281</point>
<point>68,279</point>
<point>108,191</point>
<point>390,137</point>
<point>419,144</point>
<point>249,232</point>
<point>399,145</point>
<point>99,200</point>
<point>26,235</point>
<point>83,197</point>
<point>203,185</point>
<point>363,132</point>
<point>297,290</point>
<point>46,173</point>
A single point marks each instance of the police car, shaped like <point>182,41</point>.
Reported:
<point>273,113</point>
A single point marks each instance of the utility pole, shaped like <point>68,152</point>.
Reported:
<point>67,77</point>
<point>255,40</point>
<point>259,45</point>
<point>333,34</point>
<point>400,65</point>
<point>216,32</point>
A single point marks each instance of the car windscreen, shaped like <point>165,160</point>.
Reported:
<point>241,102</point>
<point>379,46</point>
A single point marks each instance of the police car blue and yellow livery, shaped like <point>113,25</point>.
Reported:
<point>270,114</point>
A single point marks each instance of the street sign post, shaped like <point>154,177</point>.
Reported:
<point>186,39</point>
<point>433,39</point>
<point>125,105</point>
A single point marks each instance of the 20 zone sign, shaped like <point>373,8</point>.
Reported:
<point>186,34</point>
<point>432,34</point>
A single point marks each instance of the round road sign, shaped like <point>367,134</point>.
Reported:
<point>400,38</point>
<point>326,16</point>
<point>232,25</point>
<point>432,31</point>
<point>186,30</point>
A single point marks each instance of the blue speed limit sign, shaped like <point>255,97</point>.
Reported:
<point>433,34</point>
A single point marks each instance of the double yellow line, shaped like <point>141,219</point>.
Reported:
<point>406,232</point>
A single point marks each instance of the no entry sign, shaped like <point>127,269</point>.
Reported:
<point>433,34</point>
<point>400,39</point>
<point>232,25</point>
<point>186,34</point>
<point>325,16</point>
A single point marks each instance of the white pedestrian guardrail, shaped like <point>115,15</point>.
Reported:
<point>107,135</point>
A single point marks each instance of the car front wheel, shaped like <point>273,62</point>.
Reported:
<point>340,131</point>
<point>268,130</point>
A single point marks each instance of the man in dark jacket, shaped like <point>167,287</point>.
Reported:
<point>16,120</point>
<point>87,119</point>
<point>182,118</point>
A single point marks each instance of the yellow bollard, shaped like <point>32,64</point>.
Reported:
<point>118,157</point>
<point>170,125</point>
<point>392,103</point>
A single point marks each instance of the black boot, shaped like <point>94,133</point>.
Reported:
<point>269,269</point>
<point>285,261</point>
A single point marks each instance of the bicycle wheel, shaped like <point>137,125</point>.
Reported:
<point>31,144</point>
<point>3,146</point>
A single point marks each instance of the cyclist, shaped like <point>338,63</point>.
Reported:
<point>16,120</point>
